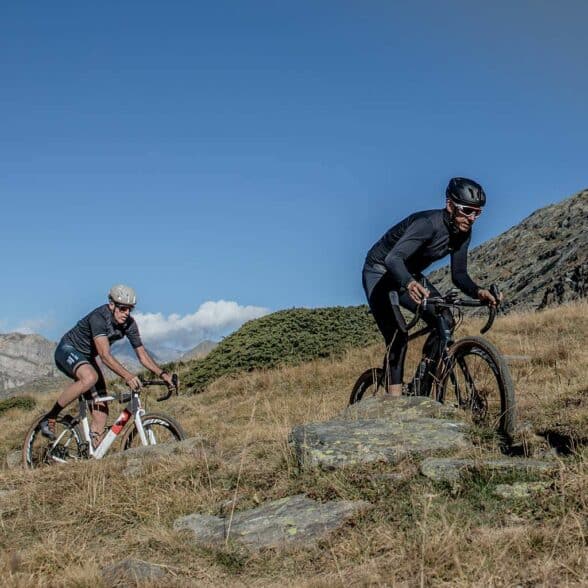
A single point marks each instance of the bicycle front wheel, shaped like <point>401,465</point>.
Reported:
<point>369,384</point>
<point>38,450</point>
<point>158,429</point>
<point>476,378</point>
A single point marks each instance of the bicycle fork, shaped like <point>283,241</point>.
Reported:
<point>434,355</point>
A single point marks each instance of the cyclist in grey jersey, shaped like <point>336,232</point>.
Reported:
<point>101,323</point>
<point>77,352</point>
<point>397,260</point>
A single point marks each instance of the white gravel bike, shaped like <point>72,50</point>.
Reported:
<point>74,439</point>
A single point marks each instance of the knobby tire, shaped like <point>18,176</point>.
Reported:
<point>368,384</point>
<point>37,450</point>
<point>487,393</point>
<point>163,429</point>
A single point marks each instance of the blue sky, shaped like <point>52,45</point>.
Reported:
<point>252,152</point>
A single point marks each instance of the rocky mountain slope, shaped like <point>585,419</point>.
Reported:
<point>201,350</point>
<point>24,358</point>
<point>539,262</point>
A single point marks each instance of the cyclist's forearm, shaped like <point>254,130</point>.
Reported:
<point>459,271</point>
<point>466,284</point>
<point>147,362</point>
<point>113,364</point>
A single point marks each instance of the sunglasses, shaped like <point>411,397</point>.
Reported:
<point>124,307</point>
<point>468,210</point>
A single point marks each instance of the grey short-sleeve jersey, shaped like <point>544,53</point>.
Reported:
<point>101,323</point>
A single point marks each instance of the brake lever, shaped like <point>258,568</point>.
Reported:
<point>170,389</point>
<point>495,291</point>
<point>492,310</point>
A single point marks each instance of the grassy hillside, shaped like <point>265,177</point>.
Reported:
<point>62,524</point>
<point>287,337</point>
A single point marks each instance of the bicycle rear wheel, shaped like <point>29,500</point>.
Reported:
<point>476,378</point>
<point>369,384</point>
<point>159,428</point>
<point>38,450</point>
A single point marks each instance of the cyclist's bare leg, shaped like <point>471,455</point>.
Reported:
<point>395,390</point>
<point>99,412</point>
<point>86,377</point>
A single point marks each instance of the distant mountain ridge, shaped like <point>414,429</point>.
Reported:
<point>27,364</point>
<point>25,358</point>
<point>539,262</point>
<point>200,351</point>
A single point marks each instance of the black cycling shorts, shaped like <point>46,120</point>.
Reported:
<point>68,359</point>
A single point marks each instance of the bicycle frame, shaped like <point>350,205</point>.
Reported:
<point>132,411</point>
<point>445,331</point>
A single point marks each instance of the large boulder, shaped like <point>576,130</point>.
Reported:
<point>378,429</point>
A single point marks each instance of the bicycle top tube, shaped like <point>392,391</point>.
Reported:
<point>126,396</point>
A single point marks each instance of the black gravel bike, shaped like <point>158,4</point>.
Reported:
<point>74,441</point>
<point>469,373</point>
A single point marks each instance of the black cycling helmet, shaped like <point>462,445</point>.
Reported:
<point>464,191</point>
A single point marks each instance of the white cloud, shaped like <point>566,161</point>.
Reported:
<point>32,326</point>
<point>212,320</point>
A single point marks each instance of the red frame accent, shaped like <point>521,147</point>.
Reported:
<point>121,421</point>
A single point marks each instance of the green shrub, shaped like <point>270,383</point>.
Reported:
<point>287,337</point>
<point>22,402</point>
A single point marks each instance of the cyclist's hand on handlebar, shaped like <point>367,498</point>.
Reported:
<point>134,383</point>
<point>167,379</point>
<point>487,297</point>
<point>417,291</point>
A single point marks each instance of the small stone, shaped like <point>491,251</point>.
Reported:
<point>195,446</point>
<point>131,570</point>
<point>137,458</point>
<point>13,459</point>
<point>451,470</point>
<point>5,506</point>
<point>520,489</point>
<point>134,468</point>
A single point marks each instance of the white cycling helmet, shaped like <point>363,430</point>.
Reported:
<point>122,294</point>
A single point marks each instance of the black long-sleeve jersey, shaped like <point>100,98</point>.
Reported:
<point>412,245</point>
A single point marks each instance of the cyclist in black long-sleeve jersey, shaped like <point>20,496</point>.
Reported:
<point>397,260</point>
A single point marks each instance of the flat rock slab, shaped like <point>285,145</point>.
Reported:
<point>131,572</point>
<point>295,520</point>
<point>398,408</point>
<point>138,458</point>
<point>378,429</point>
<point>451,470</point>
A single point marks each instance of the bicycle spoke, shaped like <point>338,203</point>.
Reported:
<point>478,381</point>
<point>158,429</point>
<point>39,450</point>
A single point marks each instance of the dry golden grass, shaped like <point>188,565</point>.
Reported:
<point>62,524</point>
